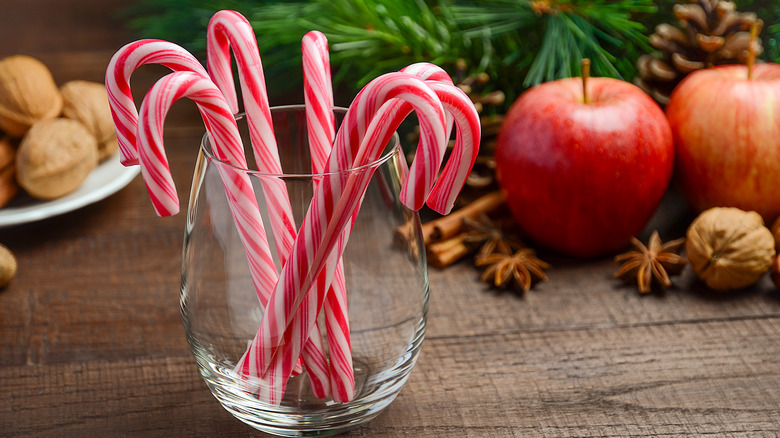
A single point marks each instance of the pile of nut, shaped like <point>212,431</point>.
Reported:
<point>50,137</point>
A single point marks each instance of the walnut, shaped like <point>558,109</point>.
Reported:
<point>87,102</point>
<point>776,272</point>
<point>55,157</point>
<point>7,265</point>
<point>776,233</point>
<point>27,94</point>
<point>729,248</point>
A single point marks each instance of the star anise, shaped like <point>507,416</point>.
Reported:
<point>520,270</point>
<point>488,237</point>
<point>651,265</point>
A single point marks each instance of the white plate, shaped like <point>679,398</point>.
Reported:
<point>105,180</point>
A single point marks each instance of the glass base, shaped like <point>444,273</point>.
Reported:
<point>300,412</point>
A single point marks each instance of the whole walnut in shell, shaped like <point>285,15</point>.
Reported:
<point>27,94</point>
<point>87,102</point>
<point>55,157</point>
<point>729,248</point>
<point>7,265</point>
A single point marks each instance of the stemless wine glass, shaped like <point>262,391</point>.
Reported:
<point>386,283</point>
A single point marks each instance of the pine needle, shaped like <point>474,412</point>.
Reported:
<point>514,41</point>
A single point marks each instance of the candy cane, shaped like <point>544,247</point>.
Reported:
<point>428,71</point>
<point>330,212</point>
<point>460,108</point>
<point>348,140</point>
<point>230,30</point>
<point>462,112</point>
<point>464,153</point>
<point>223,133</point>
<point>122,65</point>
<point>356,122</point>
<point>320,121</point>
<point>318,96</point>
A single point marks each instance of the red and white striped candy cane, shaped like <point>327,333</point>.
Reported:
<point>462,112</point>
<point>464,153</point>
<point>318,96</point>
<point>356,122</point>
<point>230,30</point>
<point>223,132</point>
<point>386,121</point>
<point>428,71</point>
<point>331,210</point>
<point>460,108</point>
<point>321,124</point>
<point>122,65</point>
<point>227,147</point>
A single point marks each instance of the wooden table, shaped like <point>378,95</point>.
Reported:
<point>91,342</point>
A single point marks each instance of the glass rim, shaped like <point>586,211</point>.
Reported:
<point>390,149</point>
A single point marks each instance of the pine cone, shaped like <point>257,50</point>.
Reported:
<point>711,32</point>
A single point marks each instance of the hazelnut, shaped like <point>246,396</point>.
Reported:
<point>87,102</point>
<point>27,94</point>
<point>729,248</point>
<point>7,266</point>
<point>55,157</point>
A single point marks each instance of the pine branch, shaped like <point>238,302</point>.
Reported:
<point>551,36</point>
<point>519,43</point>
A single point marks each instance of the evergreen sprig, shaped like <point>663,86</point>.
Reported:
<point>366,37</point>
<point>519,43</point>
<point>550,37</point>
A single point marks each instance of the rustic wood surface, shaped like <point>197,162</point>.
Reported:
<point>91,342</point>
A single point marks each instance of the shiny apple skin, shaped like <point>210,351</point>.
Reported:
<point>726,131</point>
<point>582,178</point>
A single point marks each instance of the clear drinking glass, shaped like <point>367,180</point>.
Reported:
<point>386,282</point>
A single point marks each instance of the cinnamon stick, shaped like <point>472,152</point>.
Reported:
<point>450,225</point>
<point>446,252</point>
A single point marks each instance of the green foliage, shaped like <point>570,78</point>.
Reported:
<point>180,21</point>
<point>533,42</point>
<point>551,37</point>
<point>519,43</point>
<point>366,38</point>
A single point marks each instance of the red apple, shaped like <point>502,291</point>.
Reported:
<point>726,131</point>
<point>582,178</point>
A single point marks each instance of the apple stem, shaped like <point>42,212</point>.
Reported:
<point>752,47</point>
<point>585,76</point>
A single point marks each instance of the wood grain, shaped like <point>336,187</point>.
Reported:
<point>91,341</point>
